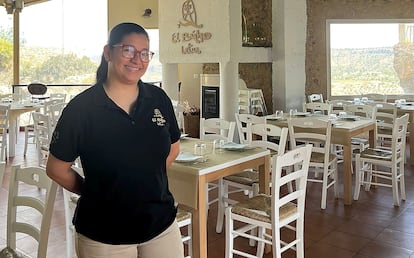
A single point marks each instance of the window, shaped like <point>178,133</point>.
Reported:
<point>6,51</point>
<point>370,57</point>
<point>61,42</point>
<point>154,71</point>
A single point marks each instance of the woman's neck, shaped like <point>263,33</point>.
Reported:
<point>123,95</point>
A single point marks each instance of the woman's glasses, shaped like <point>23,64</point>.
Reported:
<point>130,52</point>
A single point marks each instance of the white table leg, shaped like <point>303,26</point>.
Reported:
<point>12,138</point>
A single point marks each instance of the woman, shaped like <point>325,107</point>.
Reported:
<point>126,134</point>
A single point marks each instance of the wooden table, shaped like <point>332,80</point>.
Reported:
<point>342,134</point>
<point>187,182</point>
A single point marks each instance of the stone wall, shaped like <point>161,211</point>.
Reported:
<point>320,10</point>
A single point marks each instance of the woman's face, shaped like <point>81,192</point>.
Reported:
<point>123,69</point>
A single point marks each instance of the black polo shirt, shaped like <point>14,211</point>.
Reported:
<point>125,198</point>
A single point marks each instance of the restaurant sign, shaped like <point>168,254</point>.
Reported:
<point>190,40</point>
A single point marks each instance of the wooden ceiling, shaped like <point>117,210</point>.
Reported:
<point>28,2</point>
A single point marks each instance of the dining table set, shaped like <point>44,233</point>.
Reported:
<point>403,107</point>
<point>204,161</point>
<point>201,162</point>
<point>17,108</point>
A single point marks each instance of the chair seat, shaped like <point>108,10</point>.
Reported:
<point>358,141</point>
<point>319,157</point>
<point>182,215</point>
<point>7,252</point>
<point>379,154</point>
<point>246,177</point>
<point>259,207</point>
<point>384,130</point>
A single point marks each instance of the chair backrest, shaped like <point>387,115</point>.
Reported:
<point>242,121</point>
<point>217,129</point>
<point>55,110</point>
<point>398,142</point>
<point>23,182</point>
<point>179,114</point>
<point>45,108</point>
<point>37,88</point>
<point>61,96</point>
<point>4,126</point>
<point>385,115</point>
<point>315,107</point>
<point>268,134</point>
<point>338,105</point>
<point>368,111</point>
<point>375,97</point>
<point>310,129</point>
<point>316,97</point>
<point>298,160</point>
<point>42,127</point>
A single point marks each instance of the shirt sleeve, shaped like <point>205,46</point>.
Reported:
<point>66,136</point>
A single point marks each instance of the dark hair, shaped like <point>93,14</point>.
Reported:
<point>115,36</point>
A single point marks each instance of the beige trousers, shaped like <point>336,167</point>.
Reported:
<point>167,244</point>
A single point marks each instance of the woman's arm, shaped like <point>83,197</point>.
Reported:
<point>62,173</point>
<point>174,151</point>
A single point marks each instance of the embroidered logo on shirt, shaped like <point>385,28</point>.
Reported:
<point>158,118</point>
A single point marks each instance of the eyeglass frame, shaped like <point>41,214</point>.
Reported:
<point>136,52</point>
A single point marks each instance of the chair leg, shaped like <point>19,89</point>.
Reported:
<point>358,176</point>
<point>261,245</point>
<point>395,194</point>
<point>26,140</point>
<point>335,177</point>
<point>223,190</point>
<point>229,234</point>
<point>402,181</point>
<point>324,190</point>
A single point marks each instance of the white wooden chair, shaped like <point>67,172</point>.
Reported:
<point>317,132</point>
<point>43,133</point>
<point>44,109</point>
<point>377,97</point>
<point>70,200</point>
<point>184,220</point>
<point>282,211</point>
<point>358,144</point>
<point>22,180</point>
<point>338,105</point>
<point>60,96</point>
<point>315,97</point>
<point>4,126</point>
<point>248,180</point>
<point>386,165</point>
<point>242,120</point>
<point>216,129</point>
<point>318,108</point>
<point>385,116</point>
<point>179,115</point>
<point>55,110</point>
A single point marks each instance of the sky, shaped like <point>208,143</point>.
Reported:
<point>363,35</point>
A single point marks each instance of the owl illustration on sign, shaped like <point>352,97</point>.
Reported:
<point>189,15</point>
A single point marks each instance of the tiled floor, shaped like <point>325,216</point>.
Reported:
<point>371,227</point>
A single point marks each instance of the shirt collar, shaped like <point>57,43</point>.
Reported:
<point>101,99</point>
